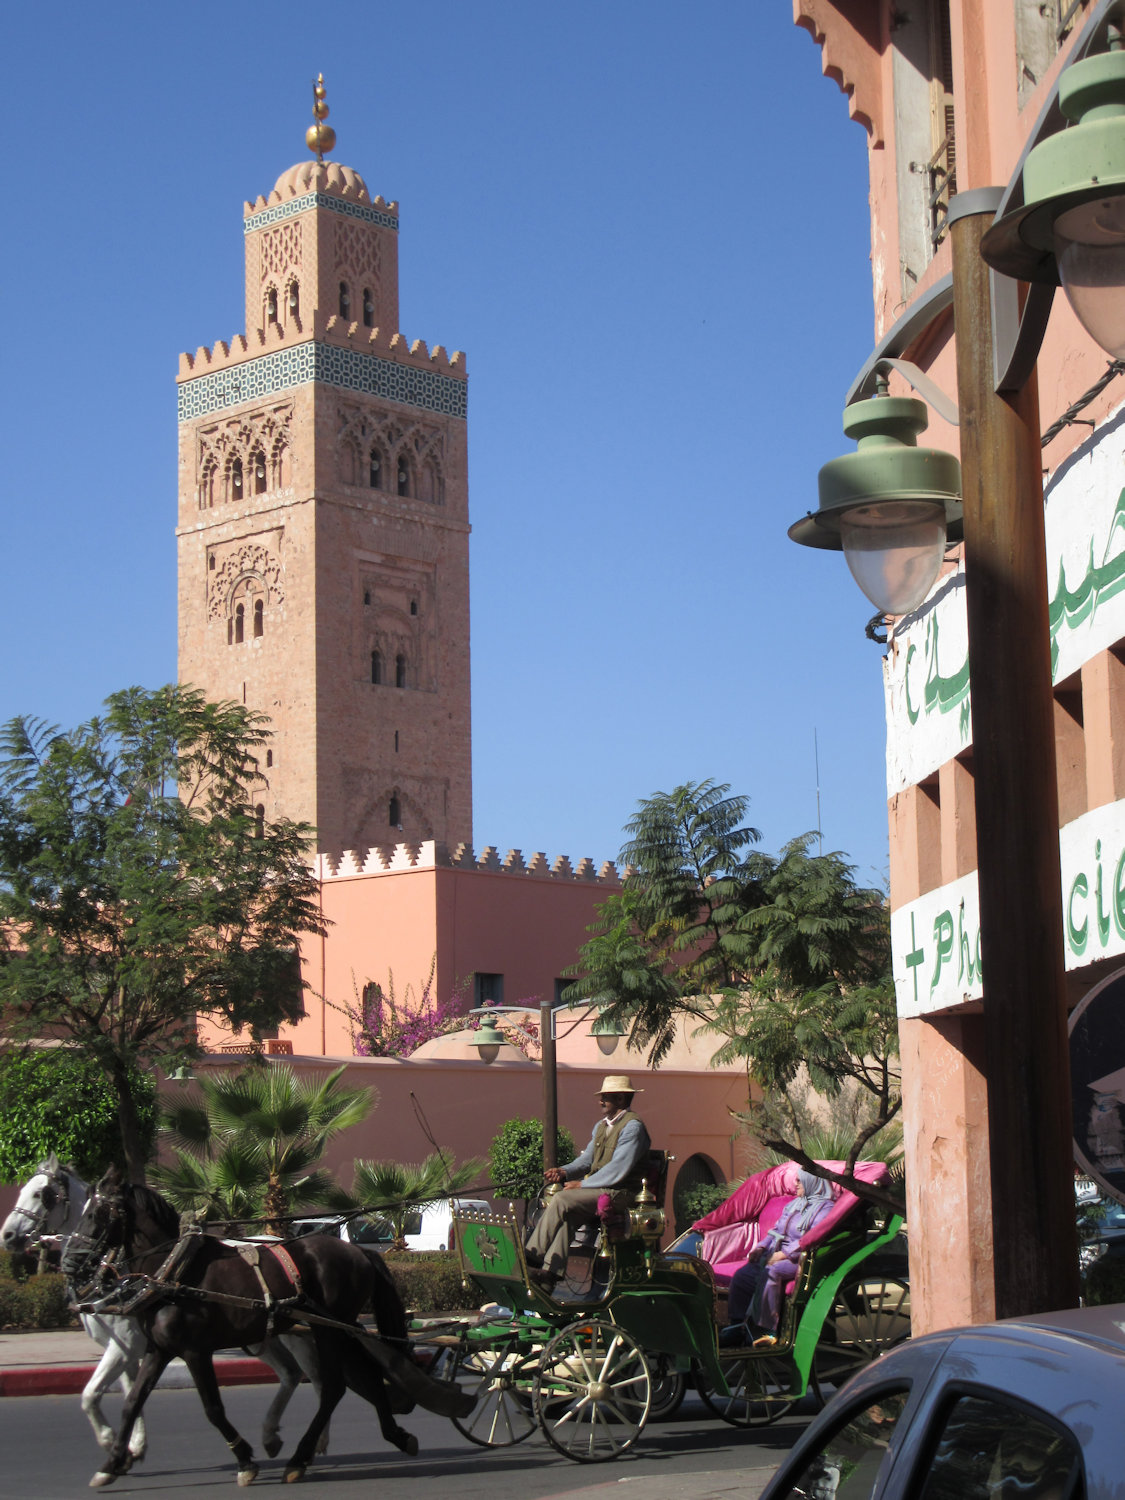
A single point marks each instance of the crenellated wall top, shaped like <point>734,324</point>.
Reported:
<point>328,330</point>
<point>431,855</point>
<point>847,33</point>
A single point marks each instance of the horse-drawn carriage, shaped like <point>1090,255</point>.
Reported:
<point>589,1364</point>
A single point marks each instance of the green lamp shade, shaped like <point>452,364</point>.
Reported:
<point>489,1041</point>
<point>890,506</point>
<point>1071,227</point>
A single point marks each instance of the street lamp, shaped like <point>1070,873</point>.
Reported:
<point>490,1039</point>
<point>1072,225</point>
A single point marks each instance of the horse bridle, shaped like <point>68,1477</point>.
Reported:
<point>82,1250</point>
<point>37,1218</point>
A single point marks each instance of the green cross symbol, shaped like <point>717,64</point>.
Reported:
<point>914,958</point>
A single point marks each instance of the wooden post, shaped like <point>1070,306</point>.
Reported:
<point>1035,1255</point>
<point>550,1085</point>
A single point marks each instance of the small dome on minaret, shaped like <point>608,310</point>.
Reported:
<point>321,176</point>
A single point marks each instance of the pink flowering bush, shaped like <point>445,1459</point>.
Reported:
<point>384,1026</point>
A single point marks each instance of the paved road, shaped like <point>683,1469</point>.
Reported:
<point>49,1454</point>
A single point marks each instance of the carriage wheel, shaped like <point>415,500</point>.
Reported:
<point>669,1387</point>
<point>501,1381</point>
<point>759,1390</point>
<point>592,1392</point>
<point>870,1314</point>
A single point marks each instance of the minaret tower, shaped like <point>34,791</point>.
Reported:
<point>323,522</point>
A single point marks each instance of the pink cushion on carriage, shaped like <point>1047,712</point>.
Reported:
<point>733,1229</point>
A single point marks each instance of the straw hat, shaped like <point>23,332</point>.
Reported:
<point>618,1083</point>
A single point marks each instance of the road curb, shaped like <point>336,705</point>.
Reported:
<point>68,1380</point>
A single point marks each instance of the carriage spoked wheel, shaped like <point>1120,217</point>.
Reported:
<point>592,1391</point>
<point>501,1380</point>
<point>759,1390</point>
<point>869,1315</point>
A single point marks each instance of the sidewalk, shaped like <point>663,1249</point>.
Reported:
<point>59,1362</point>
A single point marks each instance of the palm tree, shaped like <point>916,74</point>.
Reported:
<point>248,1146</point>
<point>394,1188</point>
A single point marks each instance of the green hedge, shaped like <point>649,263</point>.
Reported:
<point>34,1302</point>
<point>429,1281</point>
<point>1105,1282</point>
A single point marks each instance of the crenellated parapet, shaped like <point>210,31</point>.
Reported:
<point>328,330</point>
<point>847,33</point>
<point>432,855</point>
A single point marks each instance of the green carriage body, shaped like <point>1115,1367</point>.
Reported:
<point>851,1301</point>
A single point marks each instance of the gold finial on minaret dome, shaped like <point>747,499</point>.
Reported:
<point>320,137</point>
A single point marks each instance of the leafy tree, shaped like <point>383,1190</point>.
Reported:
<point>785,959</point>
<point>515,1159</point>
<point>56,1099</point>
<point>138,890</point>
<point>248,1146</point>
<point>394,1189</point>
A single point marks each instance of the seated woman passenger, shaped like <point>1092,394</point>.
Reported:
<point>756,1289</point>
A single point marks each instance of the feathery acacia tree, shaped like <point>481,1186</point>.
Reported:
<point>138,890</point>
<point>784,959</point>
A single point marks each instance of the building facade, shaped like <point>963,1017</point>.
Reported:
<point>949,93</point>
<point>323,525</point>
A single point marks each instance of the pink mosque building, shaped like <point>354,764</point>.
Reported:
<point>948,93</point>
<point>323,544</point>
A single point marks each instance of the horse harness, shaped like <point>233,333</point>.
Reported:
<point>130,1300</point>
<point>251,1254</point>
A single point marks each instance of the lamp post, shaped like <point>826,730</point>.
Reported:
<point>1071,226</point>
<point>490,1039</point>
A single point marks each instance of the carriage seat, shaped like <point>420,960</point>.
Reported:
<point>731,1231</point>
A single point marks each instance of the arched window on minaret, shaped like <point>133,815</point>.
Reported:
<point>376,667</point>
<point>394,813</point>
<point>207,482</point>
<point>239,624</point>
<point>402,476</point>
<point>282,477</point>
<point>375,470</point>
<point>293,300</point>
<point>259,820</point>
<point>258,467</point>
<point>400,670</point>
<point>345,301</point>
<point>271,306</point>
<point>368,308</point>
<point>259,617</point>
<point>236,479</point>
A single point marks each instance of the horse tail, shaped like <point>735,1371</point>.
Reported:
<point>386,1303</point>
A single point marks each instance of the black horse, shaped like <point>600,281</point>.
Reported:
<point>219,1302</point>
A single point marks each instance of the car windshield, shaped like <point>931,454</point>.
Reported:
<point>372,1231</point>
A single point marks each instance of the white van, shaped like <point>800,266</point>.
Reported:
<point>431,1228</point>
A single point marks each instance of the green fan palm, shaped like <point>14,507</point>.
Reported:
<point>248,1145</point>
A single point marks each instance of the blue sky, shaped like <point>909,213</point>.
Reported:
<point>646,223</point>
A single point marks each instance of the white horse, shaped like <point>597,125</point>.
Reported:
<point>49,1207</point>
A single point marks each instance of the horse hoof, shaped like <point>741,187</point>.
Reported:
<point>409,1444</point>
<point>294,1474</point>
<point>101,1479</point>
<point>272,1446</point>
<point>247,1476</point>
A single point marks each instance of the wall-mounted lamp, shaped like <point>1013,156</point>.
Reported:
<point>1071,228</point>
<point>891,506</point>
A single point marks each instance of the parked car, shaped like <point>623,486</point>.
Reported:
<point>1028,1407</point>
<point>1101,1231</point>
<point>431,1228</point>
<point>428,1228</point>
<point>369,1230</point>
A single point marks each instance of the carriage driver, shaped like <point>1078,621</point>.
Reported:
<point>612,1161</point>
